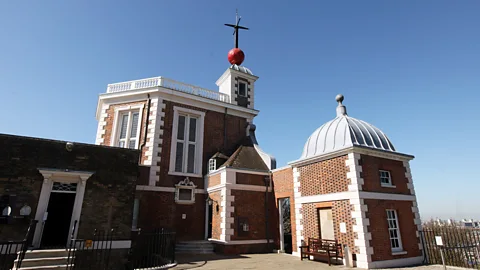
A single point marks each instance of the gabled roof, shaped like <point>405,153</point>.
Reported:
<point>246,157</point>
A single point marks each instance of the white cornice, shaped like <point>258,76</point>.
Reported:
<point>235,72</point>
<point>175,96</point>
<point>352,149</point>
<point>352,195</point>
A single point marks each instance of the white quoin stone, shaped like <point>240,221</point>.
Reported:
<point>226,83</point>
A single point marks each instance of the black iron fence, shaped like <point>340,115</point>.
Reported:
<point>91,254</point>
<point>15,250</point>
<point>152,249</point>
<point>461,246</point>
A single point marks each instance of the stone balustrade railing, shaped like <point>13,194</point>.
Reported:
<point>170,84</point>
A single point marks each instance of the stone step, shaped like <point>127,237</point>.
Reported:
<point>194,247</point>
<point>50,261</point>
<point>46,253</point>
<point>55,267</point>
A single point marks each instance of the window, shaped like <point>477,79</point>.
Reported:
<point>394,231</point>
<point>128,133</point>
<point>187,142</point>
<point>242,89</point>
<point>185,192</point>
<point>212,165</point>
<point>385,179</point>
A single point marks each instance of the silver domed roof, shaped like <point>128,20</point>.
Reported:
<point>343,132</point>
<point>242,69</point>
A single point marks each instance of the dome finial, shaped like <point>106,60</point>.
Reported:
<point>341,109</point>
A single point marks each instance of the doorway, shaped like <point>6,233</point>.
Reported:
<point>325,223</point>
<point>210,218</point>
<point>285,225</point>
<point>58,218</point>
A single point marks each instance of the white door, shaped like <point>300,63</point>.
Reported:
<point>326,224</point>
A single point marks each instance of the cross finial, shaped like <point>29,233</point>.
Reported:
<point>236,27</point>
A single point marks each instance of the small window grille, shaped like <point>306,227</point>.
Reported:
<point>64,187</point>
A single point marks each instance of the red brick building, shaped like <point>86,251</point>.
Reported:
<point>202,164</point>
<point>205,176</point>
<point>352,185</point>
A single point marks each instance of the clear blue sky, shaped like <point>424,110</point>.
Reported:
<point>409,67</point>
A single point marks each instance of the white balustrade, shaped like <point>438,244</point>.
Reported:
<point>170,84</point>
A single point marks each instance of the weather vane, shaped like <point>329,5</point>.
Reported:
<point>236,27</point>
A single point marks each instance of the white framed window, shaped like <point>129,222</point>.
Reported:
<point>127,124</point>
<point>385,178</point>
<point>187,142</point>
<point>185,192</point>
<point>212,165</point>
<point>242,89</point>
<point>394,231</point>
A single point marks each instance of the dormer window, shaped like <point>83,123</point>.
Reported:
<point>212,165</point>
<point>242,89</point>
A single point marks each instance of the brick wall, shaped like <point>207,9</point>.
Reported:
<point>216,214</point>
<point>159,210</point>
<point>109,193</point>
<point>341,212</point>
<point>283,188</point>
<point>214,180</point>
<point>24,189</point>
<point>328,176</point>
<point>250,179</point>
<point>213,140</point>
<point>379,229</point>
<point>372,165</point>
<point>251,205</point>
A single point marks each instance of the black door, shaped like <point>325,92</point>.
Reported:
<point>284,205</point>
<point>57,225</point>
<point>209,230</point>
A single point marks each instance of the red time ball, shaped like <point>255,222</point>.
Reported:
<point>236,56</point>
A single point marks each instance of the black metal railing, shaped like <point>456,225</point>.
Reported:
<point>91,253</point>
<point>152,249</point>
<point>461,246</point>
<point>11,250</point>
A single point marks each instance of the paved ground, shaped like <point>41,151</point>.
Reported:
<point>249,261</point>
<point>266,261</point>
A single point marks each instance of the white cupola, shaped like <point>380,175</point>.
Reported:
<point>238,83</point>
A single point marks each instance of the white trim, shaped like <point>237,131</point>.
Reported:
<point>281,168</point>
<point>240,242</point>
<point>347,195</point>
<point>352,149</point>
<point>247,171</point>
<point>397,262</point>
<point>165,189</point>
<point>153,145</point>
<point>362,241</point>
<point>55,175</point>
<point>396,253</point>
<point>238,187</point>
<point>198,166</point>
<point>298,208</point>
<point>183,174</point>
<point>102,122</point>
<point>174,96</point>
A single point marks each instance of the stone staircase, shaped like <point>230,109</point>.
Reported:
<point>47,259</point>
<point>194,247</point>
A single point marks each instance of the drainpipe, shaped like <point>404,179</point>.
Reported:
<point>146,129</point>
<point>225,132</point>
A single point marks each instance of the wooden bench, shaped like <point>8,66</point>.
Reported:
<point>321,248</point>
